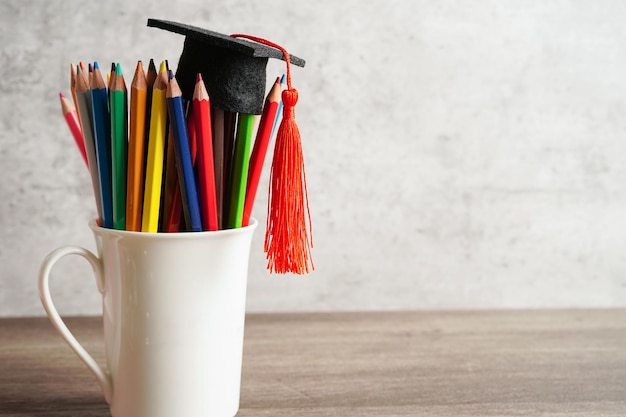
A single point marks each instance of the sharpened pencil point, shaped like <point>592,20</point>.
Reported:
<point>118,69</point>
<point>61,95</point>
<point>95,65</point>
<point>198,77</point>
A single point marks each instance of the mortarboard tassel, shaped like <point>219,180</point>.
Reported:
<point>288,238</point>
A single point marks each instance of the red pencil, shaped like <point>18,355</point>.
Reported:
<point>206,171</point>
<point>261,143</point>
<point>71,118</point>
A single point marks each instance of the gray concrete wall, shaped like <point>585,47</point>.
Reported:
<point>459,154</point>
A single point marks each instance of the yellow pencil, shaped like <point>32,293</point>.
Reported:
<point>136,143</point>
<point>156,147</point>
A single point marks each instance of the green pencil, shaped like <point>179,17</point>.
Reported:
<point>239,173</point>
<point>119,146</point>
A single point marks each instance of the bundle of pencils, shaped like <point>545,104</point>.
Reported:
<point>159,162</point>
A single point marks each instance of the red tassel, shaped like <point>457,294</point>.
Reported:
<point>288,238</point>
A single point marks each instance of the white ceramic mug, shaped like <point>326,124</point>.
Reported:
<point>173,311</point>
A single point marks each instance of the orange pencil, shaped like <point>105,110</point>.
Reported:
<point>261,143</point>
<point>136,150</point>
<point>71,118</point>
<point>206,172</point>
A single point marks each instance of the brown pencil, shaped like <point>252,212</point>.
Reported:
<point>230,122</point>
<point>217,128</point>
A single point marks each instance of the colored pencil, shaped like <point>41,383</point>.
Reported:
<point>217,129</point>
<point>239,173</point>
<point>186,176</point>
<point>171,204</point>
<point>206,171</point>
<point>279,113</point>
<point>175,212</point>
<point>230,125</point>
<point>73,71</point>
<point>261,143</point>
<point>136,152</point>
<point>156,148</point>
<point>102,138</point>
<point>71,118</point>
<point>119,146</point>
<point>151,75</point>
<point>83,102</point>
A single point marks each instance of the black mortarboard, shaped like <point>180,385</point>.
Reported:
<point>233,69</point>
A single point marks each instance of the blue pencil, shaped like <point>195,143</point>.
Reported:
<point>279,113</point>
<point>102,138</point>
<point>182,151</point>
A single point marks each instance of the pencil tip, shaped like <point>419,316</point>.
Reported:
<point>118,69</point>
<point>163,67</point>
<point>61,95</point>
<point>282,79</point>
<point>90,67</point>
<point>170,74</point>
<point>198,77</point>
<point>95,65</point>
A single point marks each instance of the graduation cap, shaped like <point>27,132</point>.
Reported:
<point>233,69</point>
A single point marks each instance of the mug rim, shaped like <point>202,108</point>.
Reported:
<point>93,225</point>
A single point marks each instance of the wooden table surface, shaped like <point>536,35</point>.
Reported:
<point>479,363</point>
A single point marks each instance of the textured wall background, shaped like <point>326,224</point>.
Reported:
<point>459,154</point>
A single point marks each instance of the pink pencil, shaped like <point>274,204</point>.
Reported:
<point>71,118</point>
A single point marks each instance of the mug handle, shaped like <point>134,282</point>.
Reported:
<point>101,375</point>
